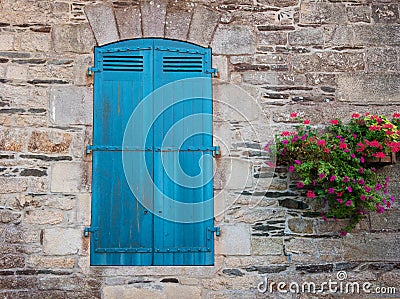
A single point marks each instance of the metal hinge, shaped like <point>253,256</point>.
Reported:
<point>216,229</point>
<point>92,70</point>
<point>214,72</point>
<point>88,230</point>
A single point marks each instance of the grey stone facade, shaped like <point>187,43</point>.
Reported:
<point>323,59</point>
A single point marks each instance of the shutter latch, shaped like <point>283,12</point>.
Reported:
<point>91,70</point>
<point>88,230</point>
<point>214,72</point>
<point>215,229</point>
<point>216,151</point>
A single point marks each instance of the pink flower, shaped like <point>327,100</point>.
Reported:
<point>339,200</point>
<point>379,155</point>
<point>285,133</point>
<point>396,115</point>
<point>348,203</point>
<point>378,187</point>
<point>293,114</point>
<point>353,156</point>
<point>271,165</point>
<point>361,170</point>
<point>343,145</point>
<point>379,208</point>
<point>321,176</point>
<point>334,122</point>
<point>327,150</point>
<point>331,190</point>
<point>291,168</point>
<point>362,197</point>
<point>355,115</point>
<point>332,178</point>
<point>285,141</point>
<point>343,233</point>
<point>297,162</point>
<point>346,179</point>
<point>367,189</point>
<point>349,189</point>
<point>300,185</point>
<point>310,194</point>
<point>306,122</point>
<point>321,142</point>
<point>362,160</point>
<point>361,182</point>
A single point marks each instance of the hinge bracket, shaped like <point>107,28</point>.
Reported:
<point>216,229</point>
<point>92,70</point>
<point>213,71</point>
<point>88,230</point>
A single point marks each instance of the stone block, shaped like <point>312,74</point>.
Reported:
<point>17,72</point>
<point>227,243</point>
<point>71,105</point>
<point>272,38</point>
<point>13,185</point>
<point>73,38</point>
<point>266,246</point>
<point>34,42</point>
<point>389,221</point>
<point>385,12</point>
<point>131,292</point>
<point>44,262</point>
<point>13,139</point>
<point>43,216</point>
<point>84,209</point>
<point>129,22</point>
<point>233,174</point>
<point>62,241</point>
<point>12,261</point>
<point>153,17</point>
<point>306,37</point>
<point>279,3</point>
<point>273,78</point>
<point>231,103</point>
<point>339,36</point>
<point>49,142</point>
<point>377,88</point>
<point>81,64</point>
<point>8,216</point>
<point>68,177</point>
<point>359,13</point>
<point>328,62</point>
<point>178,291</point>
<point>382,60</point>
<point>300,225</point>
<point>202,27</point>
<point>177,24</point>
<point>377,35</point>
<point>7,42</point>
<point>371,247</point>
<point>234,40</point>
<point>322,13</point>
<point>102,21</point>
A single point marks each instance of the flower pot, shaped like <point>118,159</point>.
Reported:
<point>388,159</point>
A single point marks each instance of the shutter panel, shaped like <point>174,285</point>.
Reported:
<point>165,217</point>
<point>179,200</point>
<point>123,228</point>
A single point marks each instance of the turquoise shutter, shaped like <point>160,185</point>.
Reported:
<point>145,209</point>
<point>183,139</point>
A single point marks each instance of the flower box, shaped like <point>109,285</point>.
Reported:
<point>389,159</point>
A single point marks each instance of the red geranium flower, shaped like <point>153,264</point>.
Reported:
<point>310,194</point>
<point>306,122</point>
<point>355,115</point>
<point>334,122</point>
<point>293,114</point>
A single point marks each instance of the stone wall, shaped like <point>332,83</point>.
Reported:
<point>322,59</point>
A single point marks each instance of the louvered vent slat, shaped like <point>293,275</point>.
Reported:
<point>123,63</point>
<point>182,64</point>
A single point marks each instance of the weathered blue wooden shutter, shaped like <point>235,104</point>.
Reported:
<point>166,219</point>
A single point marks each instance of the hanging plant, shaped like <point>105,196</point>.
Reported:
<point>332,165</point>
